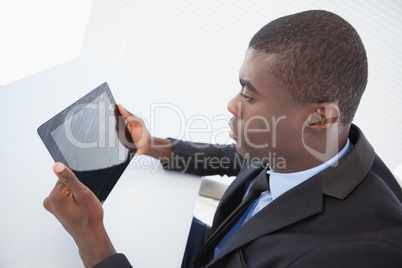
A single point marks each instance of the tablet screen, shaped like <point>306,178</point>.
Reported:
<point>90,138</point>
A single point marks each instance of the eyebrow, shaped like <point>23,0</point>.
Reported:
<point>248,85</point>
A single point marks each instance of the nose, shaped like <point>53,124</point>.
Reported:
<point>234,106</point>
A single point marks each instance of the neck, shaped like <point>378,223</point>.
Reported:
<point>315,150</point>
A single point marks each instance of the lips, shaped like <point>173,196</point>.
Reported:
<point>233,126</point>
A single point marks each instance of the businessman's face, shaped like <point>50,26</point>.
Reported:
<point>266,123</point>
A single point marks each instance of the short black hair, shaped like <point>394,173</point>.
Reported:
<point>319,58</point>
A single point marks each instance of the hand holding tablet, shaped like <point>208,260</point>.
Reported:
<point>91,138</point>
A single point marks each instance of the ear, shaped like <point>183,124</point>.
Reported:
<point>322,116</point>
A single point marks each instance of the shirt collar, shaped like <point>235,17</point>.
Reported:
<point>280,183</point>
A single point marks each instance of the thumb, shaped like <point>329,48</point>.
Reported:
<point>124,112</point>
<point>68,177</point>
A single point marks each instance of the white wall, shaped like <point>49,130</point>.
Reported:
<point>36,35</point>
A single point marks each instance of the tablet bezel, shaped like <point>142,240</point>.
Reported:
<point>46,129</point>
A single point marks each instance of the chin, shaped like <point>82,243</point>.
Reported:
<point>262,156</point>
<point>247,153</point>
<point>241,151</point>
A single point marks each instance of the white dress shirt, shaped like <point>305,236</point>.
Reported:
<point>280,183</point>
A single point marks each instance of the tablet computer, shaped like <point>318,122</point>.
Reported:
<point>91,138</point>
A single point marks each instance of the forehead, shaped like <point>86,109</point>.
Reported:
<point>257,61</point>
<point>258,69</point>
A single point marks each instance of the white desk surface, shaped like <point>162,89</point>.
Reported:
<point>148,213</point>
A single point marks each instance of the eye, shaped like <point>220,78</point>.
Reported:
<point>243,92</point>
<point>247,98</point>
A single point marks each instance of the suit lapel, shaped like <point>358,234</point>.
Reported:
<point>291,207</point>
<point>234,194</point>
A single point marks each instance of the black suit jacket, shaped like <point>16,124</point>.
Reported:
<point>346,216</point>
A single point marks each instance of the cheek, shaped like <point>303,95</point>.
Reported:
<point>257,132</point>
<point>269,134</point>
<point>257,138</point>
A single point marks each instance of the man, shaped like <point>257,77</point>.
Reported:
<point>328,198</point>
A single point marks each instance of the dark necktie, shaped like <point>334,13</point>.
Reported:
<point>260,185</point>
